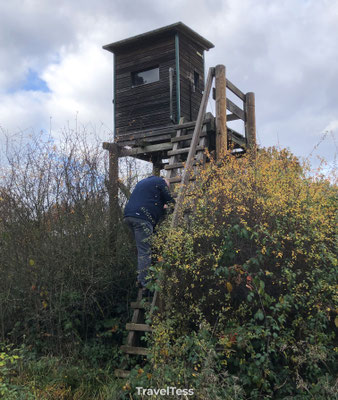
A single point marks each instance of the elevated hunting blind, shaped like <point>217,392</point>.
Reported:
<point>158,78</point>
<point>160,102</point>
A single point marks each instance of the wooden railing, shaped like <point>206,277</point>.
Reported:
<point>246,114</point>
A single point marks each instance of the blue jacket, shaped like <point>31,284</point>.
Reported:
<point>147,200</point>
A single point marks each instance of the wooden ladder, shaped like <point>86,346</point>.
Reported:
<point>137,327</point>
<point>179,153</point>
<point>178,171</point>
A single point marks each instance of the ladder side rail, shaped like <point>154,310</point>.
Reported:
<point>221,112</point>
<point>194,143</point>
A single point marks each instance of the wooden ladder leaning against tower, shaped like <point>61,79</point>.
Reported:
<point>195,156</point>
<point>183,161</point>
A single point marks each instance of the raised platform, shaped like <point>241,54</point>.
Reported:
<point>157,144</point>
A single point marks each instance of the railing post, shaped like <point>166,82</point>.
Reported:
<point>221,114</point>
<point>250,120</point>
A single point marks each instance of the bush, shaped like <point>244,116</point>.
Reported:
<point>60,285</point>
<point>254,265</point>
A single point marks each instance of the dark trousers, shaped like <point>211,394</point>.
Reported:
<point>142,230</point>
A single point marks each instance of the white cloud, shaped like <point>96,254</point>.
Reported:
<point>332,126</point>
<point>284,51</point>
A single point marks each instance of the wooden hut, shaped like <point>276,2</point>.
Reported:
<point>158,78</point>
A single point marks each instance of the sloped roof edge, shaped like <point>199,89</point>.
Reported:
<point>174,28</point>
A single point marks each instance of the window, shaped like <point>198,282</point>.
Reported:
<point>196,80</point>
<point>145,76</point>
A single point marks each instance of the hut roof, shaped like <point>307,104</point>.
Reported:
<point>178,27</point>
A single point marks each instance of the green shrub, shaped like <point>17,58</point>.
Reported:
<point>254,264</point>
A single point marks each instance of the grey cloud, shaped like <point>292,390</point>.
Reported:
<point>286,52</point>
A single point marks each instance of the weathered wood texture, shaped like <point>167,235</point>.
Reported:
<point>232,107</point>
<point>250,123</point>
<point>147,105</point>
<point>121,373</point>
<point>194,143</point>
<point>191,63</point>
<point>142,305</point>
<point>141,351</point>
<point>138,317</point>
<point>221,115</point>
<point>235,90</point>
<point>138,327</point>
<point>160,134</point>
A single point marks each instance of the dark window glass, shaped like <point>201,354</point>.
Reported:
<point>146,76</point>
<point>196,80</point>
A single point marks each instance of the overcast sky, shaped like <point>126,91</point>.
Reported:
<point>54,71</point>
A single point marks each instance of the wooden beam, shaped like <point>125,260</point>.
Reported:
<point>138,327</point>
<point>138,317</point>
<point>147,141</point>
<point>237,138</point>
<point>194,143</point>
<point>139,304</point>
<point>142,351</point>
<point>178,165</point>
<point>113,192</point>
<point>250,123</point>
<point>106,145</point>
<point>232,107</point>
<point>146,149</point>
<point>221,115</point>
<point>124,189</point>
<point>183,151</point>
<point>170,129</point>
<point>232,117</point>
<point>121,373</point>
<point>235,90</point>
<point>184,137</point>
<point>178,178</point>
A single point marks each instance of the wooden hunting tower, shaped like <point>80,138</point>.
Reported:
<point>158,78</point>
<point>160,102</point>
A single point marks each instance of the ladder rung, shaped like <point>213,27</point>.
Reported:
<point>175,165</point>
<point>138,327</point>
<point>185,137</point>
<point>184,150</point>
<point>177,179</point>
<point>140,305</point>
<point>178,165</point>
<point>121,373</point>
<point>143,351</point>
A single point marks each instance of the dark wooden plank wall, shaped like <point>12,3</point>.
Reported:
<point>145,106</point>
<point>190,61</point>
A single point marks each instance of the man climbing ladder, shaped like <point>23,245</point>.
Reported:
<point>143,211</point>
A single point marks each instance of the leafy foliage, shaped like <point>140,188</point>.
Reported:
<point>61,286</point>
<point>254,265</point>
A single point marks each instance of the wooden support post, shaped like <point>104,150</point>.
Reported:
<point>221,115</point>
<point>250,120</point>
<point>157,168</point>
<point>113,195</point>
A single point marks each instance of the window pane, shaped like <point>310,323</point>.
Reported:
<point>145,76</point>
<point>196,80</point>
